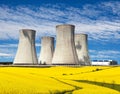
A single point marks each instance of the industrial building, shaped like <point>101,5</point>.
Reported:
<point>103,62</point>
<point>26,53</point>
<point>82,49</point>
<point>65,52</point>
<point>47,49</point>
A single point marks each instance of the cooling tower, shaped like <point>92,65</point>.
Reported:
<point>47,49</point>
<point>65,52</point>
<point>82,49</point>
<point>26,53</point>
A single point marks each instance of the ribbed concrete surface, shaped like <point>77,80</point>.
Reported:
<point>47,49</point>
<point>65,52</point>
<point>82,49</point>
<point>26,53</point>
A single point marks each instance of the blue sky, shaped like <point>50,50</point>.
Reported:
<point>100,19</point>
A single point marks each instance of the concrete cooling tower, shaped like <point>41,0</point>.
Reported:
<point>82,49</point>
<point>65,52</point>
<point>26,53</point>
<point>47,49</point>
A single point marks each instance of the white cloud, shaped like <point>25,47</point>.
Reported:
<point>8,45</point>
<point>89,19</point>
<point>5,55</point>
<point>15,45</point>
<point>105,54</point>
<point>38,44</point>
<point>113,6</point>
<point>9,50</point>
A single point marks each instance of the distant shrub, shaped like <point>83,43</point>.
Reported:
<point>71,74</point>
<point>64,74</point>
<point>97,69</point>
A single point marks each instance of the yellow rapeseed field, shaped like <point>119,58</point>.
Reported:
<point>60,80</point>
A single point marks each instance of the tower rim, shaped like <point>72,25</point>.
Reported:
<point>27,30</point>
<point>77,34</point>
<point>65,25</point>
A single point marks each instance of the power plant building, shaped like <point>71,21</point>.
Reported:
<point>65,52</point>
<point>82,49</point>
<point>47,49</point>
<point>26,53</point>
<point>104,62</point>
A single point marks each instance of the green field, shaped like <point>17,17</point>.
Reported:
<point>60,80</point>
